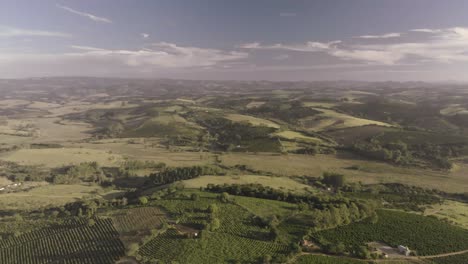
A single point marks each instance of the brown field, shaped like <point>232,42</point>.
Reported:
<point>370,172</point>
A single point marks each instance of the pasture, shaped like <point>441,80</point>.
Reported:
<point>57,157</point>
<point>283,183</point>
<point>255,121</point>
<point>329,119</point>
<point>369,172</point>
<point>48,195</point>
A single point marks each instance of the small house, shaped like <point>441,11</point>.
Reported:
<point>404,250</point>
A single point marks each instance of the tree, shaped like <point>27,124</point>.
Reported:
<point>215,224</point>
<point>91,222</point>
<point>195,197</point>
<point>143,200</point>
<point>213,209</point>
<point>224,197</point>
<point>333,179</point>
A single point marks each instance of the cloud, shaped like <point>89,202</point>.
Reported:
<point>310,46</point>
<point>384,36</point>
<point>87,15</point>
<point>281,57</point>
<point>144,35</point>
<point>287,14</point>
<point>426,30</point>
<point>444,46</point>
<point>8,32</point>
<point>157,56</point>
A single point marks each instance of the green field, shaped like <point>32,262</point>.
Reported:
<point>330,119</point>
<point>283,183</point>
<point>48,195</point>
<point>426,235</point>
<point>252,120</point>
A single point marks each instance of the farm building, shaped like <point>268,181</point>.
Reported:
<point>404,250</point>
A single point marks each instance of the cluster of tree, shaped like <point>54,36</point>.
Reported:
<point>85,171</point>
<point>229,135</point>
<point>438,155</point>
<point>395,152</point>
<point>130,167</point>
<point>19,173</point>
<point>170,175</point>
<point>287,111</point>
<point>400,153</point>
<point>312,201</point>
<point>396,195</point>
<point>333,179</point>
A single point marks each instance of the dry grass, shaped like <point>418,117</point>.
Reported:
<point>283,183</point>
<point>452,211</point>
<point>454,109</point>
<point>330,119</point>
<point>370,172</point>
<point>148,149</point>
<point>252,120</point>
<point>55,157</point>
<point>48,195</point>
<point>288,134</point>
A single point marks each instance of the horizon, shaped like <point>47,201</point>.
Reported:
<point>361,40</point>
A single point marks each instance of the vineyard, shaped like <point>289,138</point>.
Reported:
<point>237,238</point>
<point>426,235</point>
<point>223,248</point>
<point>71,242</point>
<point>319,259</point>
<point>136,219</point>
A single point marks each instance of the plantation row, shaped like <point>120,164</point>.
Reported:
<point>426,235</point>
<point>222,247</point>
<point>128,220</point>
<point>75,242</point>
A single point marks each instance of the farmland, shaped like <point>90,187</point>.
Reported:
<point>229,172</point>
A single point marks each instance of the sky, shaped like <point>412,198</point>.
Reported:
<point>279,40</point>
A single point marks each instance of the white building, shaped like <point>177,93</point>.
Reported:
<point>404,250</point>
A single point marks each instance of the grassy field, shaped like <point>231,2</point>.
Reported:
<point>283,183</point>
<point>252,120</point>
<point>330,119</point>
<point>147,150</point>
<point>48,195</point>
<point>452,211</point>
<point>454,109</point>
<point>293,135</point>
<point>319,104</point>
<point>370,172</point>
<point>266,208</point>
<point>56,157</point>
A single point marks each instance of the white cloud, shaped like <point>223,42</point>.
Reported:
<point>158,56</point>
<point>384,36</point>
<point>8,32</point>
<point>310,46</point>
<point>144,35</point>
<point>426,30</point>
<point>87,15</point>
<point>444,46</point>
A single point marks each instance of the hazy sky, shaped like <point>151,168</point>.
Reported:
<point>236,39</point>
